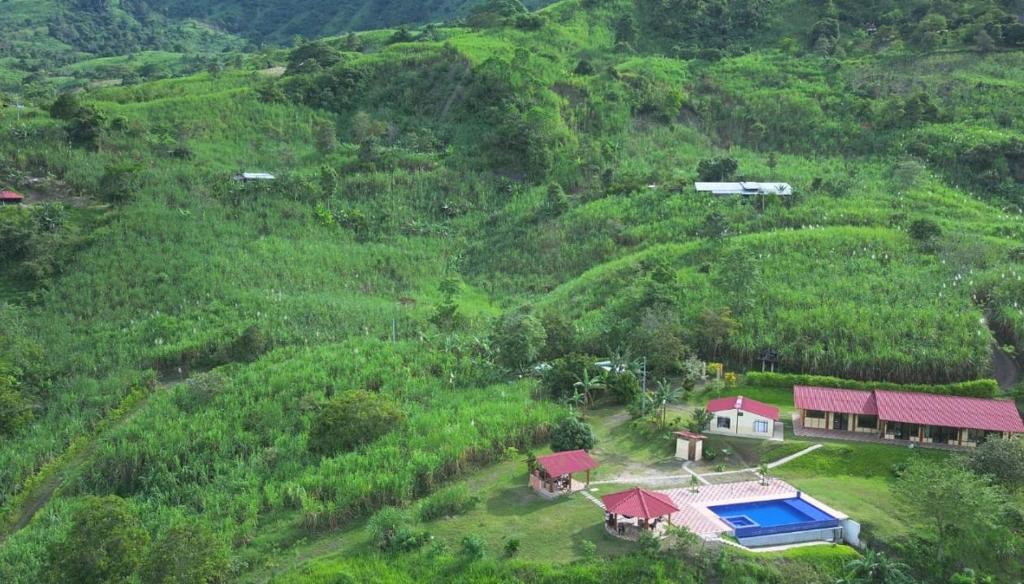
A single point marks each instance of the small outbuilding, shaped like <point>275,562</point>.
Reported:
<point>689,445</point>
<point>10,198</point>
<point>552,475</point>
<point>742,416</point>
<point>629,513</point>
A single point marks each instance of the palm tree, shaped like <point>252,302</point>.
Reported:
<point>578,399</point>
<point>763,471</point>
<point>588,385</point>
<point>665,394</point>
<point>877,568</point>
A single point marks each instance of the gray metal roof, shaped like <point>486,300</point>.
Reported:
<point>745,188</point>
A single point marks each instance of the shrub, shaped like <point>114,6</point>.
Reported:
<point>716,169</point>
<point>474,547</point>
<point>454,500</point>
<point>975,388</point>
<point>512,547</point>
<point>572,434</point>
<point>518,337</point>
<point>186,554</point>
<point>106,543</point>
<point>1002,459</point>
<point>392,530</point>
<point>352,419</point>
<point>564,372</point>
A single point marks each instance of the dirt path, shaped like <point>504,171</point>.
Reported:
<point>1005,369</point>
<point>44,492</point>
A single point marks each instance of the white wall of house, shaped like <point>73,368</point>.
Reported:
<point>742,424</point>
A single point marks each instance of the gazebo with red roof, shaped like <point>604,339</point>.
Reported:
<point>552,474</point>
<point>10,198</point>
<point>627,513</point>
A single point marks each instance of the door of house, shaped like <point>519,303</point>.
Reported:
<point>839,421</point>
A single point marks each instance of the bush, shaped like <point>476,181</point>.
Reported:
<point>512,547</point>
<point>564,372</point>
<point>518,338</point>
<point>1002,459</point>
<point>448,502</point>
<point>352,419</point>
<point>474,547</point>
<point>572,434</point>
<point>975,388</point>
<point>392,530</point>
<point>186,554</point>
<point>106,543</point>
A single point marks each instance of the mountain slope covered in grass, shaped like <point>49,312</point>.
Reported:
<point>455,204</point>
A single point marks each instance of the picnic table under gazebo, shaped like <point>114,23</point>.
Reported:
<point>552,475</point>
<point>629,513</point>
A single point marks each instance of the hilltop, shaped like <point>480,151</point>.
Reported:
<point>455,203</point>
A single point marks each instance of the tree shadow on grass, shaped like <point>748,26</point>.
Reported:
<point>518,501</point>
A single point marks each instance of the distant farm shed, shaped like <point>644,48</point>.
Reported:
<point>254,176</point>
<point>10,198</point>
<point>745,188</point>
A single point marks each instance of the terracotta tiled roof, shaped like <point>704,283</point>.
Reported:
<point>563,463</point>
<point>744,404</point>
<point>827,399</point>
<point>638,502</point>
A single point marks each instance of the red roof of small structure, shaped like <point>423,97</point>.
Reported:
<point>563,463</point>
<point>688,435</point>
<point>10,196</point>
<point>948,410</point>
<point>638,502</point>
<point>744,404</point>
<point>827,399</point>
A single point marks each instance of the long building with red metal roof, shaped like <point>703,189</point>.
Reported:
<point>902,415</point>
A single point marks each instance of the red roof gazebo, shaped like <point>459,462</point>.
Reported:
<point>10,198</point>
<point>553,473</point>
<point>629,512</point>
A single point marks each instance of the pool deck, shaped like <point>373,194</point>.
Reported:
<point>693,507</point>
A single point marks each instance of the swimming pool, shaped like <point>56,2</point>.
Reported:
<point>775,516</point>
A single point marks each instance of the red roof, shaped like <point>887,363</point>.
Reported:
<point>563,463</point>
<point>688,435</point>
<point>827,399</point>
<point>10,196</point>
<point>744,404</point>
<point>914,408</point>
<point>638,502</point>
<point>947,410</point>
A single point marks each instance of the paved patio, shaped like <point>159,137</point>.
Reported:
<point>800,431</point>
<point>693,507</point>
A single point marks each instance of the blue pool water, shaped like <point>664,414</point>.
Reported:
<point>772,513</point>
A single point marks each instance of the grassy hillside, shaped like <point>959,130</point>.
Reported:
<point>454,204</point>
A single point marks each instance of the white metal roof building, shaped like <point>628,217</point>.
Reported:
<point>247,176</point>
<point>745,188</point>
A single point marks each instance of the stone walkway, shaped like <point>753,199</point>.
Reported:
<point>801,432</point>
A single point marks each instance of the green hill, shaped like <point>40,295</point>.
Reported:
<point>452,205</point>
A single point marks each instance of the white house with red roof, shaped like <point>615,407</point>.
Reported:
<point>742,416</point>
<point>903,415</point>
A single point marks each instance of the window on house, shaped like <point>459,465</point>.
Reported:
<point>724,422</point>
<point>867,421</point>
<point>761,426</point>
<point>815,415</point>
<point>976,436</point>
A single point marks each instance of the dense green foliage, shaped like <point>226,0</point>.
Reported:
<point>106,543</point>
<point>572,433</point>
<point>976,388</point>
<point>431,184</point>
<point>351,419</point>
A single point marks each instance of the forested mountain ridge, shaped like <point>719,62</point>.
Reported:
<point>453,205</point>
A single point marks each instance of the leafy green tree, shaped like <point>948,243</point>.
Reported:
<point>560,378</point>
<point>1002,459</point>
<point>715,327</point>
<point>474,547</point>
<point>557,201</point>
<point>963,515</point>
<point>353,418</point>
<point>65,107</point>
<point>106,543</point>
<point>15,409</point>
<point>877,568</point>
<point>716,169</point>
<point>666,394</point>
<point>699,420</point>
<point>572,433</point>
<point>186,554</point>
<point>121,182</point>
<point>588,385</point>
<point>518,337</point>
<point>925,230</point>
